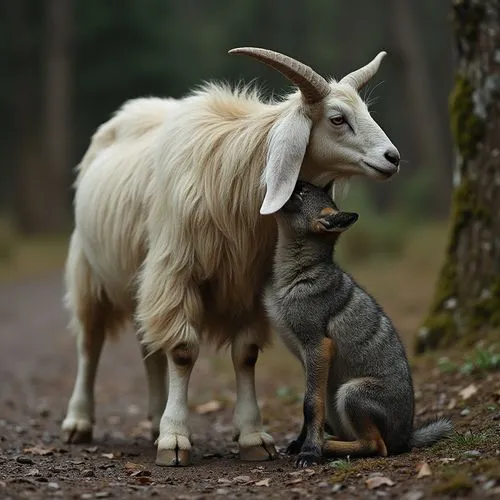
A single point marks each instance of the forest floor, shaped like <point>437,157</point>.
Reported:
<point>37,368</point>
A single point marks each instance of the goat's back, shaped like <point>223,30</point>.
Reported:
<point>113,175</point>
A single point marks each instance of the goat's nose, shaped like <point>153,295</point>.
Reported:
<point>392,156</point>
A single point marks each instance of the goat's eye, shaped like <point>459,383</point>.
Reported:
<point>337,120</point>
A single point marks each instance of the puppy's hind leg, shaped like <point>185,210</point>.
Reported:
<point>360,415</point>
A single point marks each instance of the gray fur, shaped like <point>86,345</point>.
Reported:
<point>310,297</point>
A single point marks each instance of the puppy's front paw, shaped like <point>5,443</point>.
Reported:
<point>306,459</point>
<point>294,447</point>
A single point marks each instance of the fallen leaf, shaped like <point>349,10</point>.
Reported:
<point>131,467</point>
<point>263,482</point>
<point>377,481</point>
<point>108,455</point>
<point>209,407</point>
<point>141,473</point>
<point>469,391</point>
<point>39,450</point>
<point>423,470</point>
<point>452,404</point>
<point>242,479</point>
<point>295,481</point>
<point>447,460</point>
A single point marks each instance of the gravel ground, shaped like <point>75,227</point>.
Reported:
<point>37,368</point>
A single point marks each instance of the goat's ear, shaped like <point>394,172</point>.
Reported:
<point>287,146</point>
<point>328,188</point>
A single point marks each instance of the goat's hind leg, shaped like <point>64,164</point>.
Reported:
<point>358,412</point>
<point>254,444</point>
<point>89,315</point>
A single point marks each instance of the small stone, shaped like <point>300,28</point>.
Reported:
<point>103,494</point>
<point>323,484</point>
<point>472,453</point>
<point>488,485</point>
<point>88,473</point>
<point>496,417</point>
<point>337,487</point>
<point>414,495</point>
<point>54,486</point>
<point>465,412</point>
<point>86,496</point>
<point>24,460</point>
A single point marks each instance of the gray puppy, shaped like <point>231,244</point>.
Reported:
<point>354,360</point>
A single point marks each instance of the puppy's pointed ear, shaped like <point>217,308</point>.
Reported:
<point>335,223</point>
<point>328,188</point>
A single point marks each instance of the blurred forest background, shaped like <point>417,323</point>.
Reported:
<point>69,64</point>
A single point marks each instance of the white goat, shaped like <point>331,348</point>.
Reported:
<point>168,231</point>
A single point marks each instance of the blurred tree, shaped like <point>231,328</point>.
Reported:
<point>430,144</point>
<point>467,297</point>
<point>57,116</point>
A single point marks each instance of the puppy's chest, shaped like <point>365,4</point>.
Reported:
<point>296,313</point>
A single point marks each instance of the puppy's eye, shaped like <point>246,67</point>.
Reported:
<point>299,195</point>
<point>337,120</point>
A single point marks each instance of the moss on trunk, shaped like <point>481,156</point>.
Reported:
<point>467,294</point>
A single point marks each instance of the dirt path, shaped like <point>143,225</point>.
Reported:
<point>37,366</point>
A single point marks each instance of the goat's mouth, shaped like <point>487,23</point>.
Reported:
<point>381,172</point>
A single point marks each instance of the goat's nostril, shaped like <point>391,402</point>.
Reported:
<point>392,157</point>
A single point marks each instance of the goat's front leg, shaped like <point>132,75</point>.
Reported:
<point>174,446</point>
<point>156,373</point>
<point>317,364</point>
<point>254,444</point>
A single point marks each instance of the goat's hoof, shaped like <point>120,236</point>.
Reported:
<point>307,459</point>
<point>173,450</point>
<point>75,431</point>
<point>173,458</point>
<point>155,434</point>
<point>294,447</point>
<point>259,453</point>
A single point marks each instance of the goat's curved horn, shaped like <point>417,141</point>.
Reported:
<point>359,78</point>
<point>313,87</point>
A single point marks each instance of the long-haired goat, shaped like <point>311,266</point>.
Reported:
<point>168,231</point>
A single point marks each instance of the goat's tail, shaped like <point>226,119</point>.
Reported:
<point>431,432</point>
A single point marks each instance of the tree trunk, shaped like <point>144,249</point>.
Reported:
<point>43,156</point>
<point>467,296</point>
<point>57,113</point>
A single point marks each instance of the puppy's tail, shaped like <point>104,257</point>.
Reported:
<point>431,432</point>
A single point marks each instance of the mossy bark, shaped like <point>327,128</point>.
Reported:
<point>467,296</point>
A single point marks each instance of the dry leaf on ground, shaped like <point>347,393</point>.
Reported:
<point>423,470</point>
<point>39,450</point>
<point>209,407</point>
<point>468,391</point>
<point>377,481</point>
<point>108,455</point>
<point>263,482</point>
